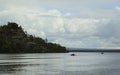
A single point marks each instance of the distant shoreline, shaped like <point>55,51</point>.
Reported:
<point>96,50</point>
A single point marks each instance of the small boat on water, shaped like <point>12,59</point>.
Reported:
<point>72,54</point>
<point>102,52</point>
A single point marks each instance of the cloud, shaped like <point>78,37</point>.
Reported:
<point>36,33</point>
<point>90,42</point>
<point>117,8</point>
<point>81,25</point>
<point>49,21</point>
<point>70,23</point>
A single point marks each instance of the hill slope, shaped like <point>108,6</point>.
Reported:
<point>14,40</point>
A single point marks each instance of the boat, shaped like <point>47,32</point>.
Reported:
<point>72,54</point>
<point>102,52</point>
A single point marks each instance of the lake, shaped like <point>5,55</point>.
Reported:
<point>60,64</point>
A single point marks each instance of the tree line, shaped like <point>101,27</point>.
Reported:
<point>14,40</point>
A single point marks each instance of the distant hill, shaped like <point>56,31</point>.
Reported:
<point>14,40</point>
<point>92,50</point>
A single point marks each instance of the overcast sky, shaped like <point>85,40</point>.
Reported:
<point>71,23</point>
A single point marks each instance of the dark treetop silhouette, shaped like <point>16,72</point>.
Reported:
<point>14,40</point>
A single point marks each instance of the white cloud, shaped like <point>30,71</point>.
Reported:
<point>80,25</point>
<point>54,12</point>
<point>36,33</point>
<point>77,25</point>
<point>117,8</point>
<point>89,42</point>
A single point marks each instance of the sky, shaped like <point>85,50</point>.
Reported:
<point>71,23</point>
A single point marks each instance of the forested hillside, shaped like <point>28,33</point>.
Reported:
<point>14,40</point>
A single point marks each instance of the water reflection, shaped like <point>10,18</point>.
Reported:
<point>60,64</point>
<point>13,67</point>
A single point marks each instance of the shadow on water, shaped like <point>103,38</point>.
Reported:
<point>12,68</point>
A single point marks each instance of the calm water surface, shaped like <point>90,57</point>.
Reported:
<point>60,64</point>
